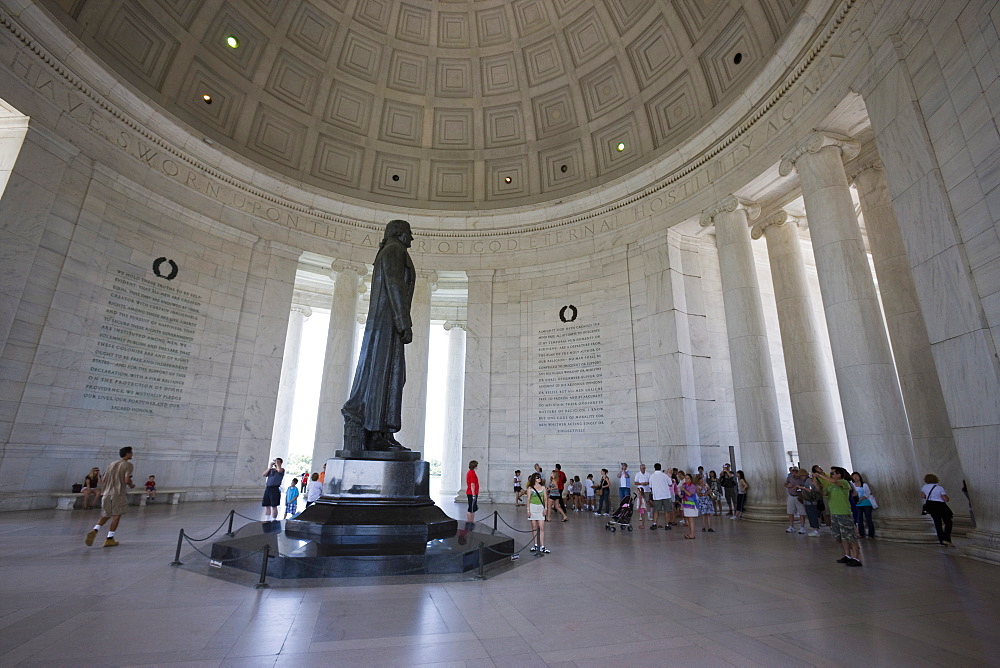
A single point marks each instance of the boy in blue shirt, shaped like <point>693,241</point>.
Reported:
<point>292,498</point>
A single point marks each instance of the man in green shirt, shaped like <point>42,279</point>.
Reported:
<point>837,489</point>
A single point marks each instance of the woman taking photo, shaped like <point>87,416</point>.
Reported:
<point>865,504</point>
<point>537,512</point>
<point>936,505</point>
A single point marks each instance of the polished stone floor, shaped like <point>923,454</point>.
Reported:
<point>748,594</point>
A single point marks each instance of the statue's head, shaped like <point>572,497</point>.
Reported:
<point>398,229</point>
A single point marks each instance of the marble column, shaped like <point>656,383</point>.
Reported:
<point>451,458</point>
<point>809,385</point>
<point>415,390</point>
<point>339,361</point>
<point>877,432</point>
<point>40,179</point>
<point>758,422</point>
<point>252,393</point>
<point>930,427</point>
<point>946,229</point>
<point>286,386</point>
<point>478,368</point>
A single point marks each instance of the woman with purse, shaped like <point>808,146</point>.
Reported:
<point>537,509</point>
<point>865,505</point>
<point>555,495</point>
<point>811,495</point>
<point>936,505</point>
<point>716,492</point>
<point>92,489</point>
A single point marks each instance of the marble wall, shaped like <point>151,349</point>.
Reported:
<point>638,373</point>
<point>108,349</point>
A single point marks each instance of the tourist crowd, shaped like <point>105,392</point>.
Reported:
<point>840,501</point>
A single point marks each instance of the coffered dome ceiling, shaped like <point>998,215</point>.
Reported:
<point>440,104</point>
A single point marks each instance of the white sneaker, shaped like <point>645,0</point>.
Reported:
<point>733,517</point>
<point>802,530</point>
<point>813,533</point>
<point>790,530</point>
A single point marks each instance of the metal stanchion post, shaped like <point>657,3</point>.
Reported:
<point>177,555</point>
<point>232,514</point>
<point>263,569</point>
<point>482,561</point>
<point>495,514</point>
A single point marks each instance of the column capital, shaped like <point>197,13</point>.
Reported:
<point>777,218</point>
<point>729,205</point>
<point>813,143</point>
<point>304,310</point>
<point>339,266</point>
<point>453,324</point>
<point>430,276</point>
<point>858,168</point>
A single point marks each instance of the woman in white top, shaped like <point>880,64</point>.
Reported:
<point>314,489</point>
<point>936,503</point>
<point>865,505</point>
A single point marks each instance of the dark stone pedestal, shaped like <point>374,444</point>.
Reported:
<point>375,517</point>
<point>294,555</point>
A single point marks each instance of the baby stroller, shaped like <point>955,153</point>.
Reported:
<point>622,518</point>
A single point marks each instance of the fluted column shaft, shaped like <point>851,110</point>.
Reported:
<point>877,432</point>
<point>478,370</point>
<point>338,364</point>
<point>930,427</point>
<point>451,457</point>
<point>286,385</point>
<point>809,385</point>
<point>414,416</point>
<point>758,422</point>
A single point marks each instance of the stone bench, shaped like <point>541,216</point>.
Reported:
<point>67,500</point>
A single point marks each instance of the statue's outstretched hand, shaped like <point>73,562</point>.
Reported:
<point>407,335</point>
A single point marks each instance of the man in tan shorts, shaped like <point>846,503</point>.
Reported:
<point>114,504</point>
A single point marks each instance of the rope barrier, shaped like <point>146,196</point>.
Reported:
<point>512,528</point>
<point>231,512</point>
<point>226,561</point>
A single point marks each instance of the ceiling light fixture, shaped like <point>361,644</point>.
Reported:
<point>232,42</point>
<point>506,179</point>
<point>207,98</point>
<point>621,146</point>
